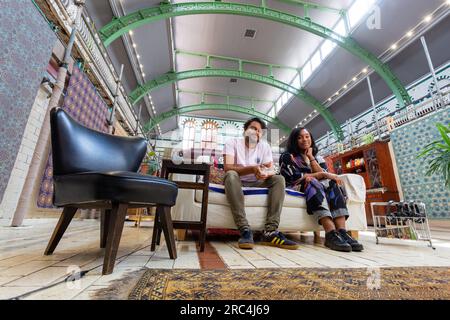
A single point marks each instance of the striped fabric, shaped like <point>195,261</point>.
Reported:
<point>250,191</point>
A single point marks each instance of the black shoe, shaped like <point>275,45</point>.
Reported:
<point>356,246</point>
<point>277,239</point>
<point>334,241</point>
<point>246,239</point>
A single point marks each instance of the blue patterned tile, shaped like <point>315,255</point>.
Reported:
<point>407,142</point>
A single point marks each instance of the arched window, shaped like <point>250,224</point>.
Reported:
<point>209,134</point>
<point>231,129</point>
<point>188,134</point>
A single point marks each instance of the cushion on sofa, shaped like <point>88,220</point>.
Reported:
<point>257,197</point>
<point>253,197</point>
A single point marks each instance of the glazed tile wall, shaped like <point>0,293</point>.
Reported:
<point>25,52</point>
<point>407,141</point>
<point>85,105</point>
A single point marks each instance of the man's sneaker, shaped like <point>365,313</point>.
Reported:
<point>334,241</point>
<point>277,239</point>
<point>356,246</point>
<point>246,239</point>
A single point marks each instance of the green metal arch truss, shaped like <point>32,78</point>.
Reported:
<point>206,106</point>
<point>120,26</point>
<point>171,77</point>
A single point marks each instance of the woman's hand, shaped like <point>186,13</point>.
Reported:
<point>308,179</point>
<point>333,177</point>
<point>309,154</point>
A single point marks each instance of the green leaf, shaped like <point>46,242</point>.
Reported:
<point>439,152</point>
<point>444,131</point>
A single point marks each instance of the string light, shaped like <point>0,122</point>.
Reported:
<point>428,18</point>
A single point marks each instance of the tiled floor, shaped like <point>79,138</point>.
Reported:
<point>23,268</point>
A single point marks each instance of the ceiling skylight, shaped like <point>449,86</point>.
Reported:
<point>316,60</point>
<point>306,71</point>
<point>327,47</point>
<point>358,10</point>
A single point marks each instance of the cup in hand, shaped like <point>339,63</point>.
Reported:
<point>265,171</point>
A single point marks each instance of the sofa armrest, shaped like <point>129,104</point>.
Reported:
<point>355,187</point>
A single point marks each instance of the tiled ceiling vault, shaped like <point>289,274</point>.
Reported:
<point>148,52</point>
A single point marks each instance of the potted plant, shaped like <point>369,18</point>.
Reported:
<point>368,138</point>
<point>144,167</point>
<point>438,154</point>
<point>150,165</point>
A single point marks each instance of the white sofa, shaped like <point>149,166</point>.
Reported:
<point>294,217</point>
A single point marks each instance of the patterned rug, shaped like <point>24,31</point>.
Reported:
<point>294,284</point>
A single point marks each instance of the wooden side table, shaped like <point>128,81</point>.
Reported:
<point>202,169</point>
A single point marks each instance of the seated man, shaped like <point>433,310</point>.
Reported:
<point>249,163</point>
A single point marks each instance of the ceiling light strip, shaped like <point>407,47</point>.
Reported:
<point>409,37</point>
<point>318,57</point>
<point>131,48</point>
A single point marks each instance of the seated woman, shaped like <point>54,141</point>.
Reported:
<point>305,171</point>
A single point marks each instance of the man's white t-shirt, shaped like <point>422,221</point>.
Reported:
<point>244,156</point>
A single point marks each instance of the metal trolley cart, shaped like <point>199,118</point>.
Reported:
<point>402,220</point>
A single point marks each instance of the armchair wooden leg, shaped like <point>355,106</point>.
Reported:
<point>117,220</point>
<point>158,235</point>
<point>167,227</point>
<point>105,217</point>
<point>159,230</point>
<point>156,231</point>
<point>61,227</point>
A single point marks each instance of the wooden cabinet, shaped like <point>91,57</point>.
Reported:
<point>375,164</point>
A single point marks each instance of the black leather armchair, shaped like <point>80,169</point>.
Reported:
<point>96,170</point>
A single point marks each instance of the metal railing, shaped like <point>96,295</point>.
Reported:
<point>420,108</point>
